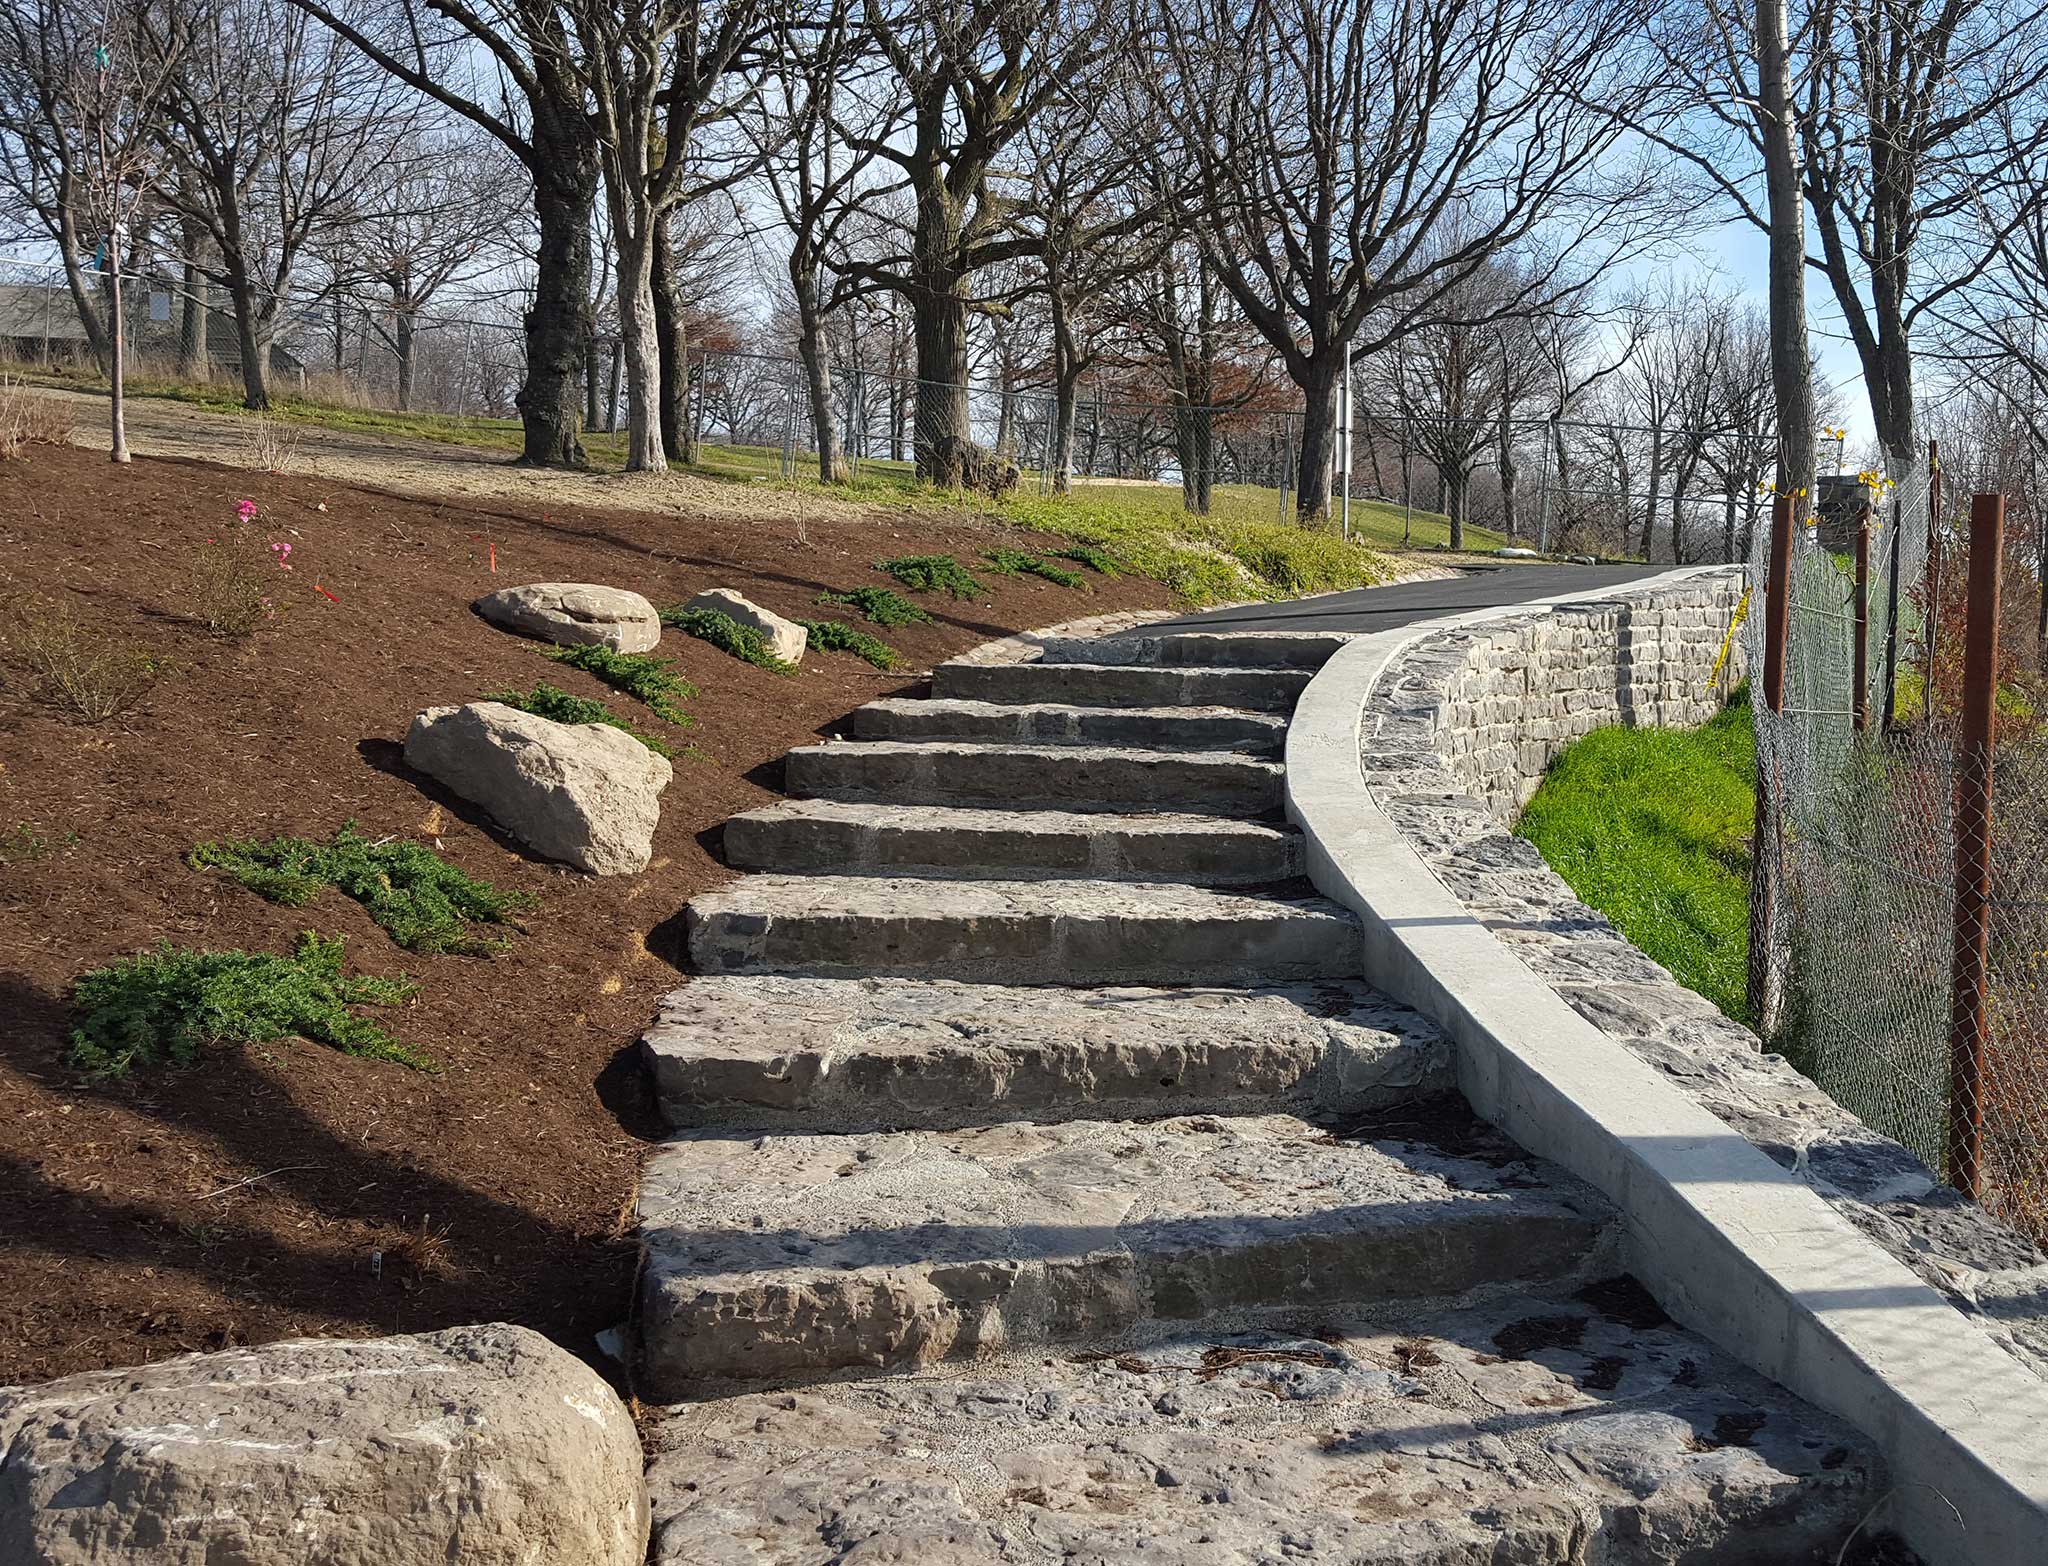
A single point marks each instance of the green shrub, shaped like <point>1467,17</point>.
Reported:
<point>879,605</point>
<point>1093,556</point>
<point>931,574</point>
<point>1015,562</point>
<point>725,633</point>
<point>554,703</point>
<point>420,900</point>
<point>169,1004</point>
<point>645,678</point>
<point>837,636</point>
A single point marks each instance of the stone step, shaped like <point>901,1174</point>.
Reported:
<point>786,1255</point>
<point>1108,685</point>
<point>773,1050</point>
<point>837,836</point>
<point>1064,777</point>
<point>1018,932</point>
<point>1536,1427</point>
<point>1199,649</point>
<point>1050,723</point>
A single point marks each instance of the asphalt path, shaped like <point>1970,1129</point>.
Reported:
<point>1367,609</point>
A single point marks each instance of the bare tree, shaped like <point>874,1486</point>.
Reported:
<point>512,68</point>
<point>437,211</point>
<point>274,126</point>
<point>1333,142</point>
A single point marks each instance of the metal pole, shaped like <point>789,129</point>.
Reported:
<point>1346,444</point>
<point>1933,615</point>
<point>1859,693</point>
<point>1970,995</point>
<point>1763,858</point>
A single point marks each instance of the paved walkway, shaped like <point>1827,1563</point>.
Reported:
<point>1369,609</point>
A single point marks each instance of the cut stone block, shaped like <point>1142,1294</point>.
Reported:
<point>488,1445</point>
<point>778,1255</point>
<point>1531,1431</point>
<point>1184,649</point>
<point>844,1054</point>
<point>1091,685</point>
<point>583,793</point>
<point>1018,932</point>
<point>574,614</point>
<point>786,639</point>
<point>835,836</point>
<point>1066,777</point>
<point>1050,723</point>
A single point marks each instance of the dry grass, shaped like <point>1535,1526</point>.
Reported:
<point>269,443</point>
<point>30,419</point>
<point>227,583</point>
<point>79,669</point>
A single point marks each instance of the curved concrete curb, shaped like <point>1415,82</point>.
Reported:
<point>1730,1244</point>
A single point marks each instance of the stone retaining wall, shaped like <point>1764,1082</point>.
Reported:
<point>1510,694</point>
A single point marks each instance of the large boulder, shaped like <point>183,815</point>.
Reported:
<point>786,639</point>
<point>574,613</point>
<point>583,793</point>
<point>486,1445</point>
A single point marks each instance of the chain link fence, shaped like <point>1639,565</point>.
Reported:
<point>1902,899</point>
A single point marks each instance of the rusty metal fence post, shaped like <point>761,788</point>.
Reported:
<point>1859,697</point>
<point>1765,993</point>
<point>1970,975</point>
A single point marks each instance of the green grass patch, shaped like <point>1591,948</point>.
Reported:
<point>419,899</point>
<point>172,1003</point>
<point>1651,827</point>
<point>559,706</point>
<point>878,606</point>
<point>1016,562</point>
<point>931,574</point>
<point>725,633</point>
<point>649,680</point>
<point>837,636</point>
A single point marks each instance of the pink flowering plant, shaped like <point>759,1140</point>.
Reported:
<point>228,592</point>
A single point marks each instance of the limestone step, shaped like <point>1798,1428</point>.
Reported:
<point>846,836</point>
<point>1051,723</point>
<point>781,1255</point>
<point>1018,932</point>
<point>1109,685</point>
<point>1066,777</point>
<point>772,1050</point>
<point>1207,649</point>
<point>1532,1429</point>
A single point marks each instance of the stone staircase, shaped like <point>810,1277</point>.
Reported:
<point>1046,1186</point>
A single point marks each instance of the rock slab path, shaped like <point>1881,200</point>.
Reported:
<point>1046,1186</point>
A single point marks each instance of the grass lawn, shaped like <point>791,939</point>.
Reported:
<point>1246,547</point>
<point>1651,827</point>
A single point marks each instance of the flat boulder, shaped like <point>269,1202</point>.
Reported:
<point>584,794</point>
<point>786,639</point>
<point>486,1445</point>
<point>575,613</point>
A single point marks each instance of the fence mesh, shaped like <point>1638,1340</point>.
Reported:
<point>1867,981</point>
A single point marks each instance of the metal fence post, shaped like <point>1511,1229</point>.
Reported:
<point>1970,987</point>
<point>1859,690</point>
<point>1764,994</point>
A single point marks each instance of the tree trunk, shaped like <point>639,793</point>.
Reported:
<point>1510,517</point>
<point>611,409</point>
<point>192,353</point>
<point>816,354</point>
<point>248,343</point>
<point>1318,382</point>
<point>593,381</point>
<point>559,319</point>
<point>943,432</point>
<point>402,334</point>
<point>642,339</point>
<point>1728,527</point>
<point>1066,399</point>
<point>117,366</point>
<point>1791,363</point>
<point>1656,489</point>
<point>672,335</point>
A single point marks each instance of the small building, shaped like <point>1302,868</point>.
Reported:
<point>1838,500</point>
<point>40,325</point>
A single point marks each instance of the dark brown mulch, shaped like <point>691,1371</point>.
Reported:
<point>241,1200</point>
